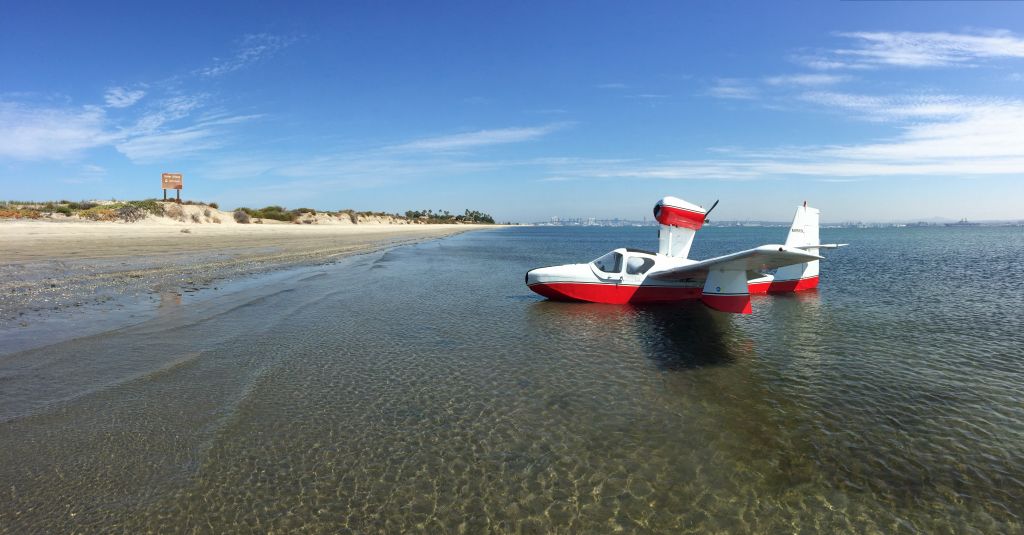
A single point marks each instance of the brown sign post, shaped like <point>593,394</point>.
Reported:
<point>171,181</point>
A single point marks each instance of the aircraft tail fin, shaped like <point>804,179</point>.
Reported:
<point>804,230</point>
<point>803,234</point>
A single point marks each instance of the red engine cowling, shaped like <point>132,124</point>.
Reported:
<point>679,213</point>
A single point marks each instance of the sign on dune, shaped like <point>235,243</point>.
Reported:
<point>170,181</point>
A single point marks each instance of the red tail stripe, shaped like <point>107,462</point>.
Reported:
<point>793,285</point>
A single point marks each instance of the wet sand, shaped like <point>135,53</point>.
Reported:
<point>49,267</point>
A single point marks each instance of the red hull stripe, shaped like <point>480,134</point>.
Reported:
<point>737,304</point>
<point>786,286</point>
<point>614,293</point>
<point>624,293</point>
<point>678,217</point>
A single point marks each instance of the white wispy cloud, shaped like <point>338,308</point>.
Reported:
<point>36,128</point>
<point>480,138</point>
<point>973,137</point>
<point>119,97</point>
<point>900,107</point>
<point>732,88</point>
<point>661,170</point>
<point>845,100</point>
<point>88,173</point>
<point>168,110</point>
<point>805,79</point>
<point>161,144</point>
<point>251,49</point>
<point>372,168</point>
<point>939,136</point>
<point>30,132</point>
<point>310,175</point>
<point>168,144</point>
<point>916,49</point>
<point>611,85</point>
<point>820,62</point>
<point>39,132</point>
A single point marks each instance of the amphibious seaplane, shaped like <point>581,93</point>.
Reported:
<point>723,283</point>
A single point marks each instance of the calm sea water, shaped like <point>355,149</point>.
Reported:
<point>426,389</point>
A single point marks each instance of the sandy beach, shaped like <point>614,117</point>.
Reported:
<point>49,267</point>
<point>43,241</point>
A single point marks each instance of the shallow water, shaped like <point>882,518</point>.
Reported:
<point>426,389</point>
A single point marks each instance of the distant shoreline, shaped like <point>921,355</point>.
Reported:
<point>188,212</point>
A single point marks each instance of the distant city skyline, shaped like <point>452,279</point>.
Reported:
<point>615,221</point>
<point>871,111</point>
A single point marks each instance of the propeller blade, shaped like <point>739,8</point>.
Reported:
<point>709,210</point>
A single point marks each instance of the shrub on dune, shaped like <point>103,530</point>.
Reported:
<point>7,213</point>
<point>131,214</point>
<point>176,212</point>
<point>152,206</point>
<point>100,214</point>
<point>352,215</point>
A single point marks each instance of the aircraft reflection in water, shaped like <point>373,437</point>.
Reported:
<point>674,337</point>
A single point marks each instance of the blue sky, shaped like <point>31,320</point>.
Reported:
<point>869,110</point>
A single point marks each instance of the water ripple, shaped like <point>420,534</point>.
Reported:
<point>423,391</point>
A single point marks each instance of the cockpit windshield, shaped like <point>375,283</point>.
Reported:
<point>609,263</point>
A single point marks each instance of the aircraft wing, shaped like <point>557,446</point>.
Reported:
<point>758,259</point>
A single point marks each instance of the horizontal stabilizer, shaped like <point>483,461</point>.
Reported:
<point>823,246</point>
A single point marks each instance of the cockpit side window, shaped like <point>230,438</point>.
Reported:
<point>638,265</point>
<point>609,263</point>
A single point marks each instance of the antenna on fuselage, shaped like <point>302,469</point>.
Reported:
<point>706,214</point>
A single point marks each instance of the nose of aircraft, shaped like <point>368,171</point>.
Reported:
<point>536,275</point>
<point>530,277</point>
